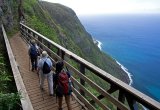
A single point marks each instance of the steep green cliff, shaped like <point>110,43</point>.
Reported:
<point>74,31</point>
<point>60,24</point>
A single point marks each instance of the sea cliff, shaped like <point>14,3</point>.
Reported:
<point>75,33</point>
<point>99,45</point>
<point>61,24</point>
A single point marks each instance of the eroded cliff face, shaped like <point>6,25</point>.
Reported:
<point>8,13</point>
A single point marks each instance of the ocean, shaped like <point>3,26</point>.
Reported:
<point>134,41</point>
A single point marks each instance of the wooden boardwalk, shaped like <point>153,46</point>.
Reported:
<point>39,99</point>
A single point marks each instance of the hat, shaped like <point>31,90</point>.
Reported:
<point>33,41</point>
<point>44,54</point>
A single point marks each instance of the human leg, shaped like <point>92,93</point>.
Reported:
<point>35,63</point>
<point>67,99</point>
<point>50,83</point>
<point>42,78</point>
<point>32,62</point>
<point>60,102</point>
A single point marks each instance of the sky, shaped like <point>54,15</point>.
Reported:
<point>82,7</point>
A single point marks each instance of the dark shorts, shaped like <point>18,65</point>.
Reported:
<point>61,95</point>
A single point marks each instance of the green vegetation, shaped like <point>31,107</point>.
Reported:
<point>9,98</point>
<point>9,101</point>
<point>60,24</point>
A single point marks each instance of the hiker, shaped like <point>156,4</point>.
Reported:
<point>62,83</point>
<point>33,53</point>
<point>44,70</point>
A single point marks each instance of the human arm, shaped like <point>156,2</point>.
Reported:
<point>38,50</point>
<point>69,74</point>
<point>29,50</point>
<point>39,65</point>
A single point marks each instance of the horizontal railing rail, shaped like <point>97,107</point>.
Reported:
<point>25,101</point>
<point>126,96</point>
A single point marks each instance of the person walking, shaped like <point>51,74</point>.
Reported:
<point>63,85</point>
<point>33,54</point>
<point>44,70</point>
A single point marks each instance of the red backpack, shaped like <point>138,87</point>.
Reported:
<point>63,83</point>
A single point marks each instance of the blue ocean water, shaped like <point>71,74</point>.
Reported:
<point>134,41</point>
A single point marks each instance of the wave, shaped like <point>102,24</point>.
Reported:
<point>98,43</point>
<point>126,70</point>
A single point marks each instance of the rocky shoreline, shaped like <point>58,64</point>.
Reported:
<point>127,78</point>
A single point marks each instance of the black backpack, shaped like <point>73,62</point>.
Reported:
<point>46,68</point>
<point>33,51</point>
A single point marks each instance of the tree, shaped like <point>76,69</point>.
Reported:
<point>20,11</point>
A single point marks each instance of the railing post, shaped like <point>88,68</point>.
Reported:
<point>1,36</point>
<point>112,89</point>
<point>27,35</point>
<point>130,101</point>
<point>82,70</point>
<point>58,52</point>
<point>36,37</point>
<point>30,35</point>
<point>49,46</point>
<point>24,31</point>
<point>40,39</point>
<point>61,53</point>
<point>121,97</point>
<point>20,27</point>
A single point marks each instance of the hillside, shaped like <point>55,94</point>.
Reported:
<point>60,24</point>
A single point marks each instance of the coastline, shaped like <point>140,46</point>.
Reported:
<point>98,43</point>
<point>129,75</point>
<point>126,71</point>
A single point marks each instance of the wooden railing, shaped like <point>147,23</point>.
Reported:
<point>125,97</point>
<point>25,101</point>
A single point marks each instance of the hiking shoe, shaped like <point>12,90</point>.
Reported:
<point>35,69</point>
<point>51,95</point>
<point>32,69</point>
<point>42,89</point>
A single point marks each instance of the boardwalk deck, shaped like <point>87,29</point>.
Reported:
<point>40,100</point>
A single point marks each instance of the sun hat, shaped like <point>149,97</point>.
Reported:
<point>44,54</point>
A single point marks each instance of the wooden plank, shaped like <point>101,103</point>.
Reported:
<point>82,104</point>
<point>90,94</point>
<point>82,70</point>
<point>25,101</point>
<point>88,105</point>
